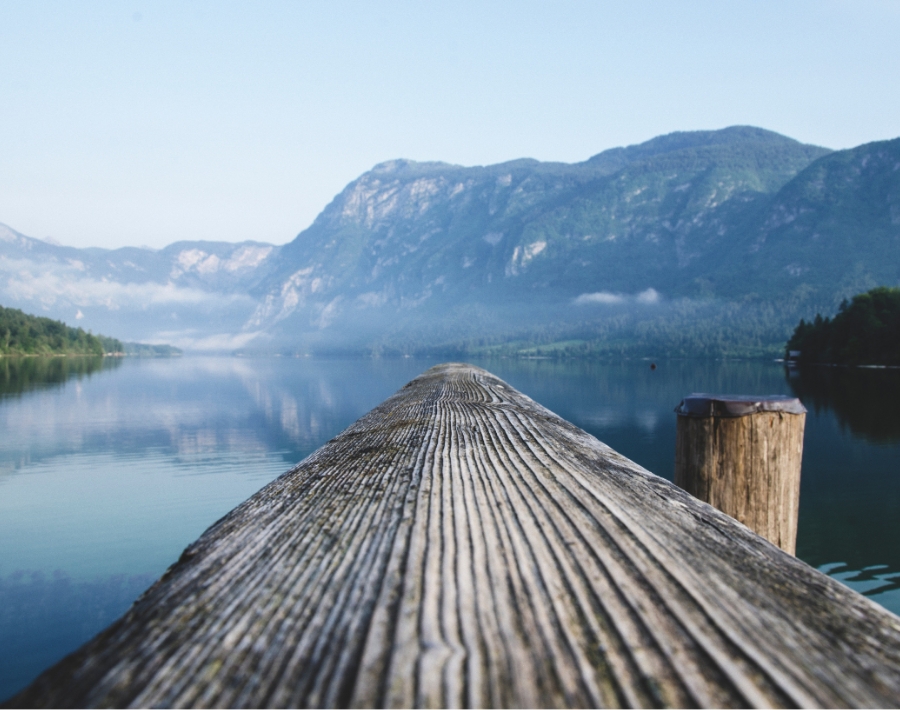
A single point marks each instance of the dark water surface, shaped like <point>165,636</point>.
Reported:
<point>108,469</point>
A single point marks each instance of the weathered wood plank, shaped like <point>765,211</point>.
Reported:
<point>462,546</point>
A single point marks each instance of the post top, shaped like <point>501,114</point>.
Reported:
<point>737,405</point>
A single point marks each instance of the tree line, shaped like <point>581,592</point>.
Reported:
<point>865,331</point>
<point>24,334</point>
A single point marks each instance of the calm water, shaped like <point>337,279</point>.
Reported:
<point>108,469</point>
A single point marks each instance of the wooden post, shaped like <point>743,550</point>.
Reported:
<point>461,546</point>
<point>742,455</point>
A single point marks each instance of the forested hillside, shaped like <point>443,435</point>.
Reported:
<point>23,334</point>
<point>617,255</point>
<point>865,331</point>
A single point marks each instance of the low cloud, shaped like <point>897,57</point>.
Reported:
<point>48,284</point>
<point>607,298</point>
<point>604,297</point>
<point>651,295</point>
<point>191,340</point>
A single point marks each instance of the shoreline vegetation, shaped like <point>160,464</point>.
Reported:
<point>25,335</point>
<point>865,332</point>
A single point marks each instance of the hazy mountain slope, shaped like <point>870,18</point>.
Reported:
<point>764,261</point>
<point>644,225</point>
<point>187,292</point>
<point>409,244</point>
<point>835,228</point>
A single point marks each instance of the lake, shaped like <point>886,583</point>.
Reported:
<point>109,468</point>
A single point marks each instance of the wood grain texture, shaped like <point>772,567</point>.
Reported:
<point>462,546</point>
<point>747,467</point>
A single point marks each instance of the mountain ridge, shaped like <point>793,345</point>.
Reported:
<point>188,290</point>
<point>509,216</point>
<point>718,225</point>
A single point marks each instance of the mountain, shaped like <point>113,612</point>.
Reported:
<point>834,228</point>
<point>194,292</point>
<point>411,253</point>
<point>400,228</point>
<point>706,242</point>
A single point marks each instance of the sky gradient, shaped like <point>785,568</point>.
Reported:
<point>136,123</point>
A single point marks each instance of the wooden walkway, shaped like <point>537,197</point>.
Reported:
<point>460,545</point>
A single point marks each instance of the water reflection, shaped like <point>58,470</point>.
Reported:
<point>23,374</point>
<point>865,400</point>
<point>192,409</point>
<point>877,579</point>
<point>850,487</point>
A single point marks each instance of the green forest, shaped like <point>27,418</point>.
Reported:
<point>865,331</point>
<point>23,334</point>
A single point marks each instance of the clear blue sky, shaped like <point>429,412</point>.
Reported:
<point>132,123</point>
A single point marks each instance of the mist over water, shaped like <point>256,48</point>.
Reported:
<point>108,469</point>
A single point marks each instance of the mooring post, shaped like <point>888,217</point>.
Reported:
<point>742,455</point>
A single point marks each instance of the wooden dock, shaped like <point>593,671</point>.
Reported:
<point>460,545</point>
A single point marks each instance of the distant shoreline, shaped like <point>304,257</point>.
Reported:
<point>177,353</point>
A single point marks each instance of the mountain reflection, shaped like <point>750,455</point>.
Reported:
<point>863,400</point>
<point>197,411</point>
<point>23,374</point>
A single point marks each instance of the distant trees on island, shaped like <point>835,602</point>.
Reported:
<point>865,331</point>
<point>23,334</point>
